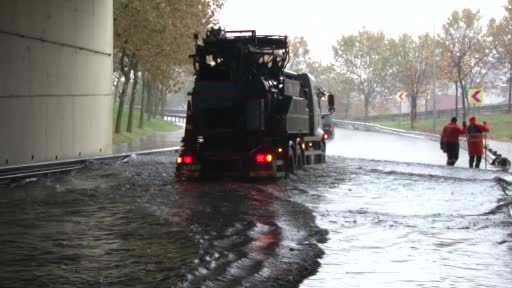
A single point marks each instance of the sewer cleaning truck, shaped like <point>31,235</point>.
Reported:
<point>247,115</point>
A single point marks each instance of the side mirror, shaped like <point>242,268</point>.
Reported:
<point>330,102</point>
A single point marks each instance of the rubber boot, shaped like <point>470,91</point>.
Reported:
<point>478,160</point>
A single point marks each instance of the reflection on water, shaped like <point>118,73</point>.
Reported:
<point>130,224</point>
<point>57,236</point>
<point>248,235</point>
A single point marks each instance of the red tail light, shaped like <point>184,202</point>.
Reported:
<point>326,136</point>
<point>261,158</point>
<point>187,159</point>
<point>184,159</point>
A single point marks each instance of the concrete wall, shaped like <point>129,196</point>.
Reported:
<point>55,79</point>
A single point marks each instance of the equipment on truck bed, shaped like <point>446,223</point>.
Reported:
<point>247,116</point>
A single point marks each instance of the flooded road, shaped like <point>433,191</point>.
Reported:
<point>378,214</point>
<point>129,224</point>
<point>398,224</point>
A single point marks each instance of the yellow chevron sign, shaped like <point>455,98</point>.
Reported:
<point>401,96</point>
<point>476,96</point>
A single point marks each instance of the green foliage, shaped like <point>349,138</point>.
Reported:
<point>365,59</point>
<point>150,127</point>
<point>158,33</point>
<point>299,55</point>
<point>501,35</point>
<point>412,59</point>
<point>468,49</point>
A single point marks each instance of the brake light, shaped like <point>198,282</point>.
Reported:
<point>260,158</point>
<point>326,136</point>
<point>185,159</point>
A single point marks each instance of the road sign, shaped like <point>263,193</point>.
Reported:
<point>476,96</point>
<point>401,96</point>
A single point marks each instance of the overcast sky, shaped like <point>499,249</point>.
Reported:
<point>322,22</point>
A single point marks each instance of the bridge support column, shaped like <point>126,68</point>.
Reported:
<point>55,79</point>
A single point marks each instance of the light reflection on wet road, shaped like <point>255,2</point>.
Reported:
<point>397,224</point>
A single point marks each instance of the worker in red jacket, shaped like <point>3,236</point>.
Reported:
<point>476,133</point>
<point>450,141</point>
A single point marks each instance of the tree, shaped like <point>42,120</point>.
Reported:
<point>364,59</point>
<point>329,79</point>
<point>412,60</point>
<point>135,72</point>
<point>501,34</point>
<point>157,34</point>
<point>299,55</point>
<point>125,70</point>
<point>142,102</point>
<point>462,39</point>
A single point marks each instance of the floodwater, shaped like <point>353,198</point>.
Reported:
<point>399,224</point>
<point>126,224</point>
<point>383,212</point>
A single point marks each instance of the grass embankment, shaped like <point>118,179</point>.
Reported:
<point>150,127</point>
<point>500,125</point>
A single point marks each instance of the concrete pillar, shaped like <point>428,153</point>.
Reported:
<point>55,79</point>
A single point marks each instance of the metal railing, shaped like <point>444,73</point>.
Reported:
<point>180,115</point>
<point>42,168</point>
<point>443,113</point>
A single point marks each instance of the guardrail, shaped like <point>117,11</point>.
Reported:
<point>443,113</point>
<point>180,118</point>
<point>41,168</point>
<point>354,125</point>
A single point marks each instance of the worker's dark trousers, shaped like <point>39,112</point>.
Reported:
<point>472,160</point>
<point>452,153</point>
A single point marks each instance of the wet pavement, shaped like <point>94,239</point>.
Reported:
<point>382,212</point>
